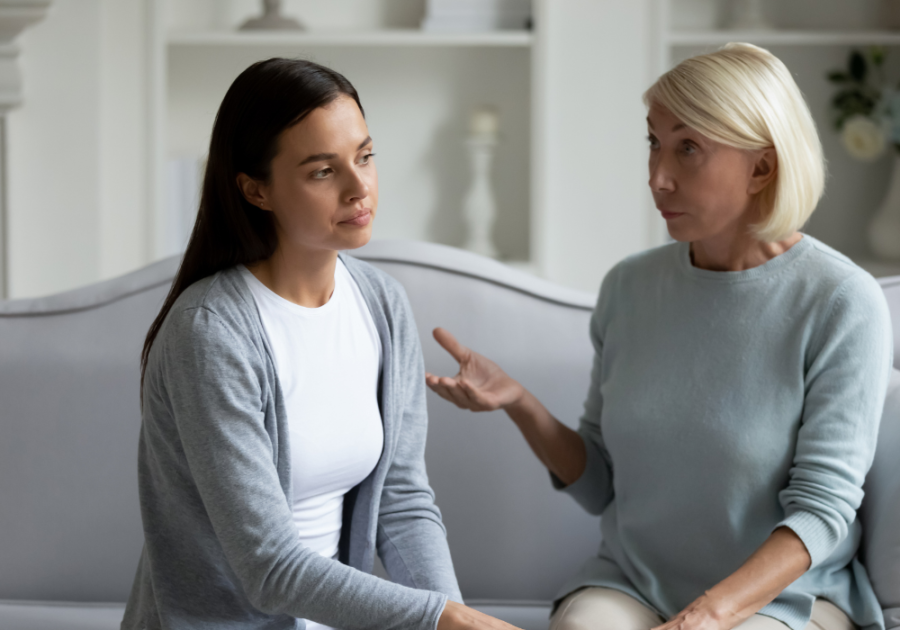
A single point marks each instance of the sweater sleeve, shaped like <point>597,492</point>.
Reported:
<point>212,377</point>
<point>848,368</point>
<point>593,490</point>
<point>412,540</point>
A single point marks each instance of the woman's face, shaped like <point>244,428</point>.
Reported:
<point>702,188</point>
<point>323,187</point>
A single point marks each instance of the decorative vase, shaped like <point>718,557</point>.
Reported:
<point>479,207</point>
<point>748,15</point>
<point>271,19</point>
<point>884,231</point>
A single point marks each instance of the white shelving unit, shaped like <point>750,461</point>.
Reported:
<point>427,95</point>
<point>353,39</point>
<point>810,44</point>
<point>568,207</point>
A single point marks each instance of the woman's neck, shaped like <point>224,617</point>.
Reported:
<point>738,252</point>
<point>304,277</point>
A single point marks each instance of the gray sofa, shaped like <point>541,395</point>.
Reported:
<point>70,531</point>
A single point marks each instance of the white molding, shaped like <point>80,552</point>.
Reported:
<point>386,37</point>
<point>784,38</point>
<point>15,17</point>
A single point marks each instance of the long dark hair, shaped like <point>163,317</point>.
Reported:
<point>267,98</point>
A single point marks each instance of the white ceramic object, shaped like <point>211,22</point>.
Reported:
<point>695,15</point>
<point>749,15</point>
<point>884,231</point>
<point>271,19</point>
<point>480,207</point>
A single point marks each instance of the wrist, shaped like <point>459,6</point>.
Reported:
<point>518,407</point>
<point>720,607</point>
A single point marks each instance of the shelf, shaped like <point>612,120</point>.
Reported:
<point>785,38</point>
<point>405,37</point>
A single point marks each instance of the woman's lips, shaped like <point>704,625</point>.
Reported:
<point>361,218</point>
<point>666,214</point>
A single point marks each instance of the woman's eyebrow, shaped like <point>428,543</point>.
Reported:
<point>320,157</point>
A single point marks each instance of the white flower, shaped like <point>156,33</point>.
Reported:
<point>863,138</point>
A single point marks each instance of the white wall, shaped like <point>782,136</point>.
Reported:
<point>594,194</point>
<point>125,219</point>
<point>76,149</point>
<point>52,154</point>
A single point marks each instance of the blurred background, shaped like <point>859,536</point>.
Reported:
<point>105,141</point>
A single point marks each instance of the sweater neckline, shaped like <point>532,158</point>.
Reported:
<point>764,270</point>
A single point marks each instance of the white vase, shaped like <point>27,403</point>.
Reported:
<point>479,207</point>
<point>884,231</point>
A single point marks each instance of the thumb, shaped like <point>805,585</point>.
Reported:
<point>450,344</point>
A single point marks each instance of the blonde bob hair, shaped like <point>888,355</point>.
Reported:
<point>743,96</point>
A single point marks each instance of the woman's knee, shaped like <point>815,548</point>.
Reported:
<point>596,608</point>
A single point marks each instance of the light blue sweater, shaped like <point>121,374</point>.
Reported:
<point>221,548</point>
<point>723,405</point>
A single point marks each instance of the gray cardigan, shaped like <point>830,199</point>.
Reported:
<point>221,550</point>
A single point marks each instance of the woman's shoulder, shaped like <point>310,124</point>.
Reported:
<point>210,306</point>
<point>836,276</point>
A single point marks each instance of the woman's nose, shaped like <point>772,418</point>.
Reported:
<point>357,188</point>
<point>661,177</point>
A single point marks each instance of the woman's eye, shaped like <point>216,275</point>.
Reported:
<point>688,148</point>
<point>365,159</point>
<point>322,173</point>
<point>653,142</point>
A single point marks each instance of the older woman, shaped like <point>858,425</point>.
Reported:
<point>737,384</point>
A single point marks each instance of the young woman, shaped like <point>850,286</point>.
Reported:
<point>284,420</point>
<point>738,381</point>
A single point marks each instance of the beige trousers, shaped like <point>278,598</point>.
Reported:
<point>595,608</point>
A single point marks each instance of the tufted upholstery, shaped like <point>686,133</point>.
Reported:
<point>70,526</point>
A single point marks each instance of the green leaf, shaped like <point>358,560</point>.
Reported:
<point>857,66</point>
<point>836,76</point>
<point>877,55</point>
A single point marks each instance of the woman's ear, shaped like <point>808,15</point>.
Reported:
<point>765,167</point>
<point>253,191</point>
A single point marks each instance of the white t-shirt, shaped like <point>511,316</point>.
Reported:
<point>328,361</point>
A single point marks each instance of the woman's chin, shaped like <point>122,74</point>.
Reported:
<point>359,238</point>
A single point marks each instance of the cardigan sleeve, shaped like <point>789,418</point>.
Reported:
<point>848,369</point>
<point>411,539</point>
<point>213,379</point>
<point>593,490</point>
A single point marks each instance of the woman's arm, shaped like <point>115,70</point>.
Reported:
<point>848,368</point>
<point>411,540</point>
<point>481,385</point>
<point>773,567</point>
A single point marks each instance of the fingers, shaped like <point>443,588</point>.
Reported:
<point>477,400</point>
<point>451,389</point>
<point>450,344</point>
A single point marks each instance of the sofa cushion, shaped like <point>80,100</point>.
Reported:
<point>16,615</point>
<point>524,615</point>
<point>880,511</point>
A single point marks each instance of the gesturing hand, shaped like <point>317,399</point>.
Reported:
<point>480,384</point>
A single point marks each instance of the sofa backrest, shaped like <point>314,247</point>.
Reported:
<point>70,526</point>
